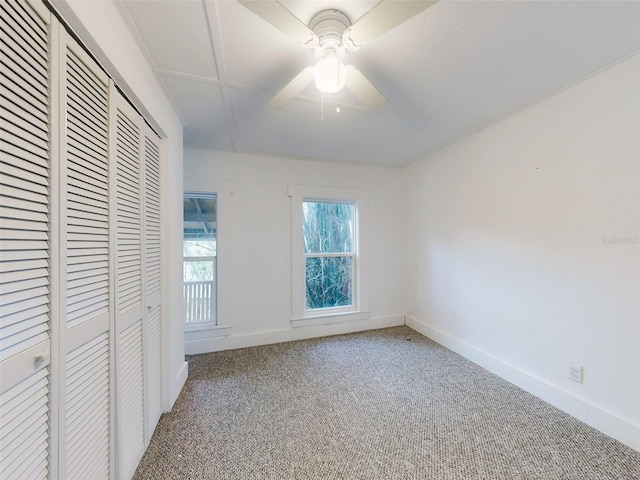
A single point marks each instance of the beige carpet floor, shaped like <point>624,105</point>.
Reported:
<point>384,404</point>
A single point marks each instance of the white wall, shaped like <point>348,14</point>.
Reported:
<point>103,30</point>
<point>524,250</point>
<point>505,260</point>
<point>255,217</point>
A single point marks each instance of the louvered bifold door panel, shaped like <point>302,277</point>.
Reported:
<point>153,331</point>
<point>85,203</point>
<point>129,214</point>
<point>127,147</point>
<point>24,425</point>
<point>87,410</point>
<point>25,236</point>
<point>87,129</point>
<point>131,385</point>
<point>152,216</point>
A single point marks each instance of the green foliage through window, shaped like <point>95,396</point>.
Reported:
<point>328,245</point>
<point>329,282</point>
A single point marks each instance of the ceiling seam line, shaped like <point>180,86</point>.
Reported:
<point>213,26</point>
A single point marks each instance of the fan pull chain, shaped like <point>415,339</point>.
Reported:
<point>322,107</point>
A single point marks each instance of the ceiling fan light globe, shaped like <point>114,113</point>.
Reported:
<point>330,75</point>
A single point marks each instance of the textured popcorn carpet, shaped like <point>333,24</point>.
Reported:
<point>384,404</point>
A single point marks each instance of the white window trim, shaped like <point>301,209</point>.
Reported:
<point>360,308</point>
<point>224,194</point>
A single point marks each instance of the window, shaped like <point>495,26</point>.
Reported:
<point>328,244</point>
<point>328,283</point>
<point>200,255</point>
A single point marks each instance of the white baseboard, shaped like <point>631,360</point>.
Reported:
<point>181,379</point>
<point>593,415</point>
<point>232,341</point>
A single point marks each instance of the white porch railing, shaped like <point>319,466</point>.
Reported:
<point>199,302</point>
<point>200,297</point>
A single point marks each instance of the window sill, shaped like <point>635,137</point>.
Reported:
<point>207,329</point>
<point>328,319</point>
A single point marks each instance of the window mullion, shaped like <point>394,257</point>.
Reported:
<point>328,254</point>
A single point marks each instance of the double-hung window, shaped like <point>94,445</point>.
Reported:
<point>328,239</point>
<point>206,259</point>
<point>328,283</point>
<point>200,245</point>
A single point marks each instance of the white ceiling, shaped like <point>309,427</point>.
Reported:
<point>452,70</point>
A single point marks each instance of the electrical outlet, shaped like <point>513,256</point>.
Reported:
<point>576,372</point>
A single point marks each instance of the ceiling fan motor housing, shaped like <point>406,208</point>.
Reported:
<point>330,33</point>
<point>329,26</point>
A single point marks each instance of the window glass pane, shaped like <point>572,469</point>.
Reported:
<point>329,282</point>
<point>199,248</point>
<point>200,225</point>
<point>199,270</point>
<point>327,227</point>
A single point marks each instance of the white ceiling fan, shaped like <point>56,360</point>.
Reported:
<point>330,34</point>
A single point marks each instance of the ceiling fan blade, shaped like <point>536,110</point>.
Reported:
<point>293,88</point>
<point>362,88</point>
<point>382,18</point>
<point>277,15</point>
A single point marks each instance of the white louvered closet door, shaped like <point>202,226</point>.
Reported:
<point>153,331</point>
<point>85,427</point>
<point>25,241</point>
<point>127,204</point>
